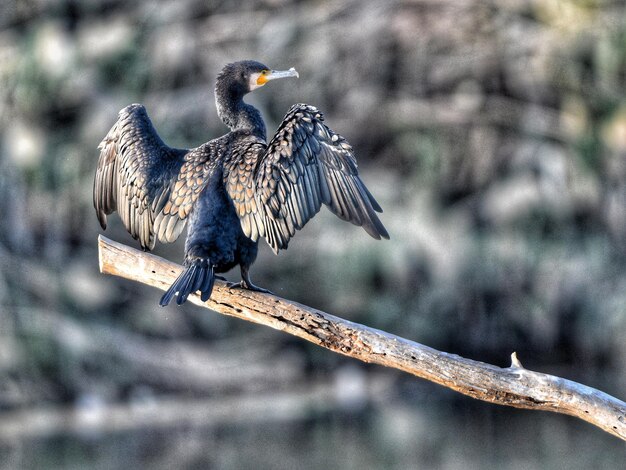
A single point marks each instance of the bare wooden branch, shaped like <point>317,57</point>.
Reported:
<point>513,386</point>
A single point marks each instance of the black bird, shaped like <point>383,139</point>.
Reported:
<point>232,189</point>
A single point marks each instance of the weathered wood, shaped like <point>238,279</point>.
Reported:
<point>513,386</point>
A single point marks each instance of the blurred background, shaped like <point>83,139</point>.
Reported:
<point>492,133</point>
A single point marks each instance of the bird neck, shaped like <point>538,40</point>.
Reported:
<point>238,115</point>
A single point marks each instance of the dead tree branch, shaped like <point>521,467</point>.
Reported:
<point>513,386</point>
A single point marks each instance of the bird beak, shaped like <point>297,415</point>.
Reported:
<point>274,74</point>
<point>260,79</point>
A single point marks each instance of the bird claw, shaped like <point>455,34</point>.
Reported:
<point>247,285</point>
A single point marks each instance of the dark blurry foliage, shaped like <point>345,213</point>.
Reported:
<point>492,133</point>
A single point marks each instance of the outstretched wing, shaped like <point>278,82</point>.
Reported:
<point>150,185</point>
<point>278,189</point>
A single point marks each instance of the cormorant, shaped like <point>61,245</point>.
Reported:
<point>232,189</point>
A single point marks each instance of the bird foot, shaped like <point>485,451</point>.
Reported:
<point>247,285</point>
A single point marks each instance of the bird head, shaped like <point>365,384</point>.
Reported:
<point>244,76</point>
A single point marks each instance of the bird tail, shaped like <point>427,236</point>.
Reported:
<point>200,276</point>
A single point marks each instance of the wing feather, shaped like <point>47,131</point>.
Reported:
<point>305,165</point>
<point>150,185</point>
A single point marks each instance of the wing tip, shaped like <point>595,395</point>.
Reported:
<point>102,218</point>
<point>131,108</point>
<point>376,229</point>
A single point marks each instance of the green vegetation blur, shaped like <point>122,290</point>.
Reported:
<point>493,134</point>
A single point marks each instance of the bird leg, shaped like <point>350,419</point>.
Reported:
<point>246,283</point>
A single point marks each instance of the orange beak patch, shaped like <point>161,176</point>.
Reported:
<point>262,80</point>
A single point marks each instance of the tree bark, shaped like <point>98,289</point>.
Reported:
<point>513,386</point>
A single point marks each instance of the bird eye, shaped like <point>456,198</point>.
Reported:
<point>264,72</point>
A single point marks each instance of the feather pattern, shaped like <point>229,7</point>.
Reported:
<point>305,165</point>
<point>152,186</point>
